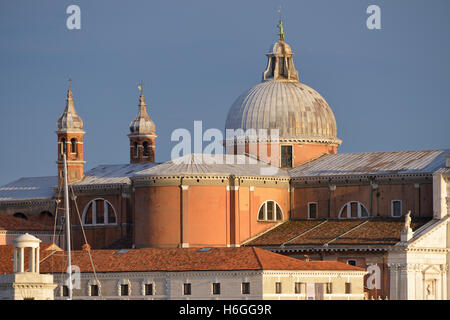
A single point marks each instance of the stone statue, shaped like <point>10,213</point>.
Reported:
<point>281,34</point>
<point>408,221</point>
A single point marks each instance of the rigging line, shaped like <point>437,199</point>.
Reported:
<point>56,215</point>
<point>54,226</point>
<point>85,240</point>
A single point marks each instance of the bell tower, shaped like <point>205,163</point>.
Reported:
<point>142,134</point>
<point>70,141</point>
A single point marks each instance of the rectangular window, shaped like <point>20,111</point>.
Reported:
<point>187,289</point>
<point>312,210</point>
<point>123,289</point>
<point>286,156</point>
<point>245,287</point>
<point>94,290</point>
<point>348,288</point>
<point>65,291</point>
<point>278,287</point>
<point>329,288</point>
<point>216,288</point>
<point>149,289</point>
<point>298,287</point>
<point>396,208</point>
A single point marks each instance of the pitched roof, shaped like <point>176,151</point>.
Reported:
<point>398,162</point>
<point>113,173</point>
<point>7,254</point>
<point>374,231</point>
<point>189,164</point>
<point>214,164</point>
<point>11,223</point>
<point>179,259</point>
<point>29,188</point>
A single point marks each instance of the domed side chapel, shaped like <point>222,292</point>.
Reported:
<point>315,204</point>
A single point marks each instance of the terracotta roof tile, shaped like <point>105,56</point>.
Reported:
<point>19,224</point>
<point>186,259</point>
<point>376,231</point>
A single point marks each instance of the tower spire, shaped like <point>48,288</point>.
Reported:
<point>142,133</point>
<point>70,141</point>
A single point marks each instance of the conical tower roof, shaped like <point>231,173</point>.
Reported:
<point>69,121</point>
<point>142,124</point>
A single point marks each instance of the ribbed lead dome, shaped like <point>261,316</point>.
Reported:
<point>282,102</point>
<point>142,124</point>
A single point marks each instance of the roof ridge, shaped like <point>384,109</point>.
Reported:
<point>257,257</point>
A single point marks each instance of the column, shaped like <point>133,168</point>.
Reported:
<point>32,262</point>
<point>22,264</point>
<point>37,260</point>
<point>15,260</point>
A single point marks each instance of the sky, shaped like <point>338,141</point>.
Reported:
<point>388,88</point>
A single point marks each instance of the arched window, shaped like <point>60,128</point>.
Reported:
<point>46,214</point>
<point>136,150</point>
<point>99,212</point>
<point>146,149</point>
<point>270,211</point>
<point>353,209</point>
<point>73,143</point>
<point>20,215</point>
<point>63,146</point>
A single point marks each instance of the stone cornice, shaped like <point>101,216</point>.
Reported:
<point>26,203</point>
<point>306,140</point>
<point>359,179</point>
<point>309,248</point>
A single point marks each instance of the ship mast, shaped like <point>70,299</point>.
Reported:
<point>66,205</point>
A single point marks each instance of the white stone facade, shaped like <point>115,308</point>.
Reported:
<point>170,285</point>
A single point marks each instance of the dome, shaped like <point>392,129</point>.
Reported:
<point>280,48</point>
<point>26,240</point>
<point>142,124</point>
<point>69,120</point>
<point>282,102</point>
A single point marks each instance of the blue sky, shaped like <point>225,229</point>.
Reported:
<point>388,88</point>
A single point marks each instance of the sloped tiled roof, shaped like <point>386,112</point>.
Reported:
<point>375,231</point>
<point>179,259</point>
<point>29,188</point>
<point>398,162</point>
<point>7,254</point>
<point>11,223</point>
